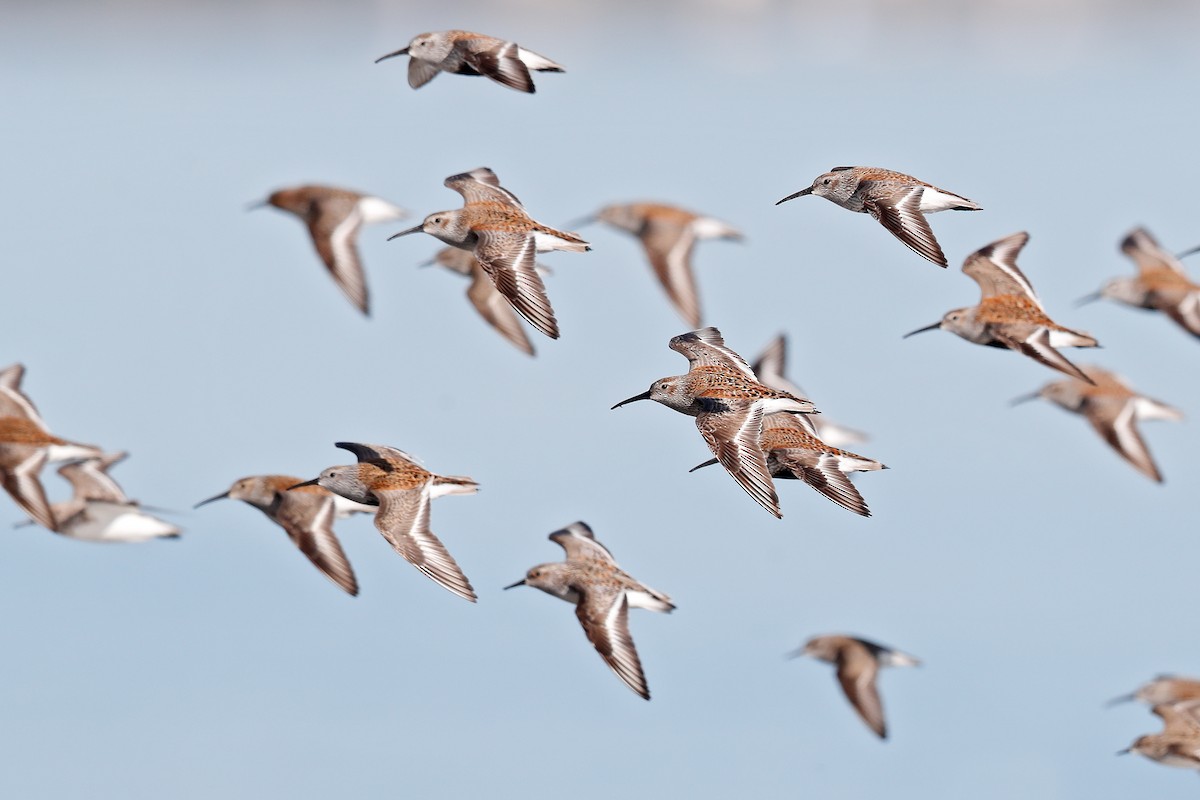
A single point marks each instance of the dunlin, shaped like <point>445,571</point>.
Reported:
<point>771,366</point>
<point>603,594</point>
<point>858,662</point>
<point>727,400</point>
<point>1160,285</point>
<point>1009,313</point>
<point>793,452</point>
<point>1179,743</point>
<point>334,217</point>
<point>1165,689</point>
<point>1114,410</point>
<point>493,225</point>
<point>25,447</point>
<point>100,511</point>
<point>306,515</point>
<point>485,297</point>
<point>466,53</point>
<point>668,235</point>
<point>391,479</point>
<point>898,201</point>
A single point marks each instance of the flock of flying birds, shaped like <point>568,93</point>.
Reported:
<point>758,424</point>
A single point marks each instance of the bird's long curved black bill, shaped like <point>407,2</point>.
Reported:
<point>1088,298</point>
<point>932,327</point>
<point>257,204</point>
<point>220,496</point>
<point>643,396</point>
<point>313,482</point>
<point>515,585</point>
<point>800,193</point>
<point>417,229</point>
<point>580,222</point>
<point>1116,701</point>
<point>1025,398</point>
<point>1124,752</point>
<point>1195,249</point>
<point>708,463</point>
<point>403,52</point>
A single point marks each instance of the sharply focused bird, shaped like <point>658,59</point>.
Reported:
<point>1009,313</point>
<point>898,201</point>
<point>729,403</point>
<point>466,53</point>
<point>493,226</point>
<point>402,488</point>
<point>603,594</point>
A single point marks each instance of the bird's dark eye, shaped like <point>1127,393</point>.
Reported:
<point>437,219</point>
<point>826,181</point>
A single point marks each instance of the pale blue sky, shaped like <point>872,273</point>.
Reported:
<point>1035,573</point>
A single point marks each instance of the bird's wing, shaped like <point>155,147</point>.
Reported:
<point>901,214</point>
<point>502,64</point>
<point>668,245</point>
<point>481,185</point>
<point>856,672</point>
<point>308,519</point>
<point>22,483</point>
<point>496,310</point>
<point>706,347</point>
<point>334,232</point>
<point>580,543</point>
<point>604,614</point>
<point>403,519</point>
<point>1116,420</point>
<point>994,268</point>
<point>508,259</point>
<point>733,436</point>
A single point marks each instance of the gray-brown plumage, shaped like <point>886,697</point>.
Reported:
<point>467,53</point>
<point>858,662</point>
<point>1178,745</point>
<point>602,593</point>
<point>485,297</point>
<point>1163,690</point>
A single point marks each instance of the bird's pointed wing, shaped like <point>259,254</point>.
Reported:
<point>1186,313</point>
<point>308,519</point>
<point>668,245</point>
<point>856,672</point>
<point>733,436</point>
<point>333,233</point>
<point>1116,421</point>
<point>14,402</point>
<point>901,214</point>
<point>421,72</point>
<point>580,543</point>
<point>495,308</point>
<point>376,452</point>
<point>604,614</point>
<point>403,519</point>
<point>706,347</point>
<point>22,483</point>
<point>1148,254</point>
<point>508,259</point>
<point>481,185</point>
<point>1037,346</point>
<point>820,471</point>
<point>502,64</point>
<point>91,481</point>
<point>994,268</point>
